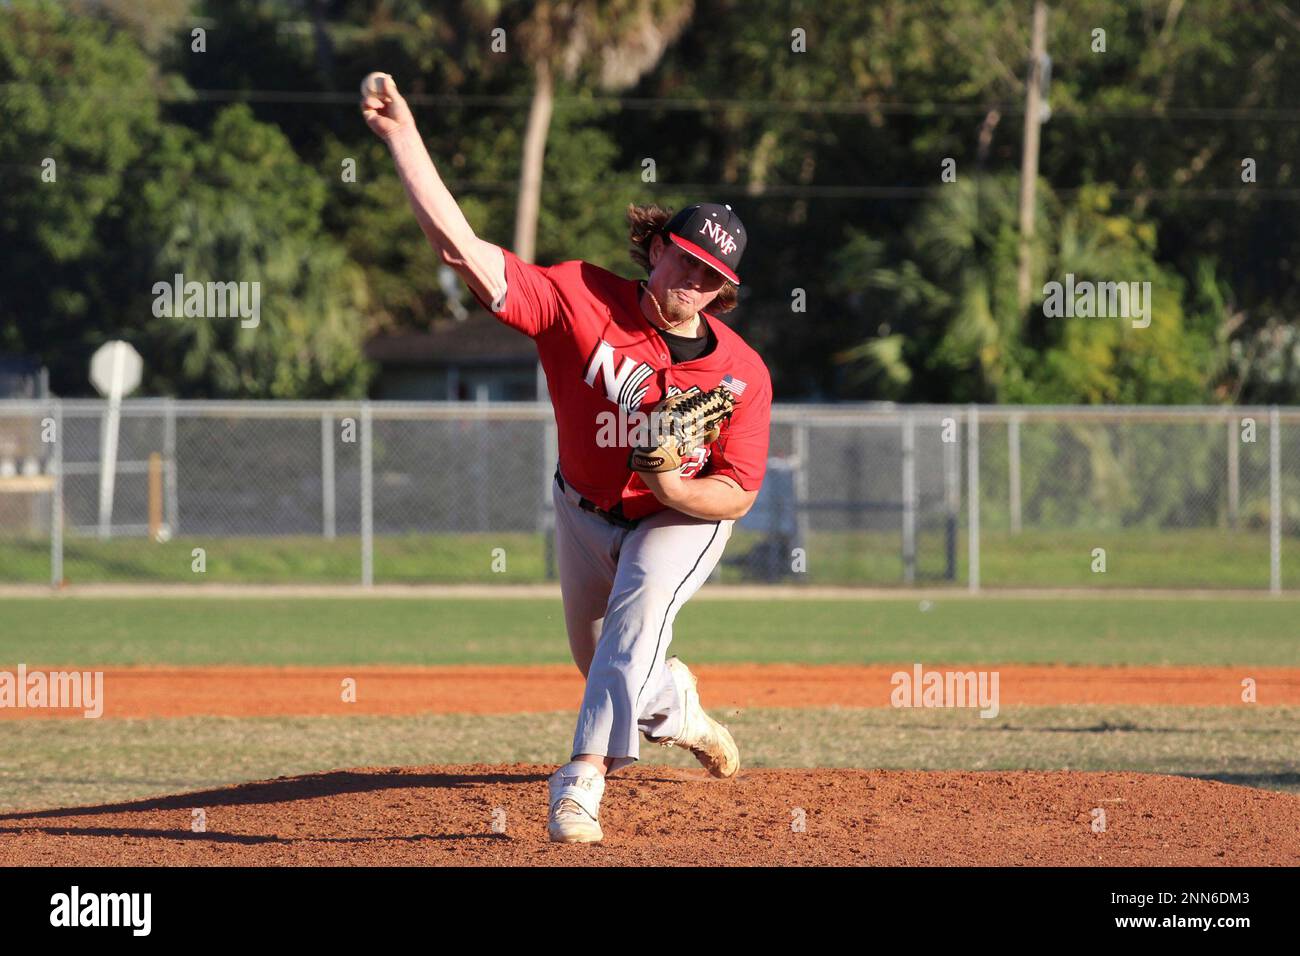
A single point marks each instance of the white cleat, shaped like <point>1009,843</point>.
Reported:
<point>703,736</point>
<point>575,791</point>
<point>569,823</point>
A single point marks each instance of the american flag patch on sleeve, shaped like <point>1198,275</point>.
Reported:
<point>734,385</point>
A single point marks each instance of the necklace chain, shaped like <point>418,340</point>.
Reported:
<point>662,317</point>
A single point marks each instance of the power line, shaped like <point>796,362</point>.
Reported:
<point>667,104</point>
<point>1245,193</point>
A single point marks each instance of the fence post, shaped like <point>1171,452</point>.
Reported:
<point>155,471</point>
<point>546,514</point>
<point>1234,471</point>
<point>56,500</point>
<point>480,460</point>
<point>327,474</point>
<point>172,519</point>
<point>1275,500</point>
<point>909,499</point>
<point>799,448</point>
<point>550,460</point>
<point>973,497</point>
<point>1013,470</point>
<point>951,496</point>
<point>109,432</point>
<point>367,501</point>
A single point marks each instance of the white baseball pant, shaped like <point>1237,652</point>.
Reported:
<point>622,589</point>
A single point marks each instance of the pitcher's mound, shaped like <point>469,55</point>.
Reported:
<point>496,815</point>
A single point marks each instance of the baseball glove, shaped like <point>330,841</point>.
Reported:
<point>679,425</point>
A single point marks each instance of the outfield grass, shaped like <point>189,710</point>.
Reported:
<point>52,763</point>
<point>345,630</point>
<point>1034,558</point>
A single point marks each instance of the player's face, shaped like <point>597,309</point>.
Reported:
<point>682,283</point>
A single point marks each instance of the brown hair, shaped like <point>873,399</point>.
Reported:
<point>646,222</point>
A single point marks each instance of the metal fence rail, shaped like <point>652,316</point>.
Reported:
<point>359,492</point>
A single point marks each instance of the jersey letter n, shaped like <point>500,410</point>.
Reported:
<point>625,388</point>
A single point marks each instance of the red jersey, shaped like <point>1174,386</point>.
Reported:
<point>603,360</point>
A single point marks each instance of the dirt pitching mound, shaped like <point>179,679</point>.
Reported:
<point>661,816</point>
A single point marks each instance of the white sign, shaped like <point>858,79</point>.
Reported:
<point>115,369</point>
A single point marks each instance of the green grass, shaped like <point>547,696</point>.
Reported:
<point>1134,559</point>
<point>349,630</point>
<point>51,763</point>
<point>449,559</point>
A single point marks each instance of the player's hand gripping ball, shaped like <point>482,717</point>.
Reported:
<point>376,84</point>
<point>384,109</point>
<point>681,424</point>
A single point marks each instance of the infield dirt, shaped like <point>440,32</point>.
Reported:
<point>658,816</point>
<point>230,691</point>
<point>655,815</point>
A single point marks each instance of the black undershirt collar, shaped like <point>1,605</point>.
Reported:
<point>687,348</point>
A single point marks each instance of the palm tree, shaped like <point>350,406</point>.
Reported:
<point>950,305</point>
<point>614,42</point>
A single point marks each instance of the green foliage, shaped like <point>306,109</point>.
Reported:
<point>1093,360</point>
<point>137,201</point>
<point>1265,364</point>
<point>953,299</point>
<point>372,220</point>
<point>244,208</point>
<point>54,74</point>
<point>155,24</point>
<point>909,282</point>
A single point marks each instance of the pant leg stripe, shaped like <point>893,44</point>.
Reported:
<point>636,707</point>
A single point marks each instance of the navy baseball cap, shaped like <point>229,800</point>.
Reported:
<point>711,233</point>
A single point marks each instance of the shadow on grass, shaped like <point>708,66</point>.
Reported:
<point>1106,727</point>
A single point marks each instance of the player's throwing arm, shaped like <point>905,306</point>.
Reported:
<point>481,264</point>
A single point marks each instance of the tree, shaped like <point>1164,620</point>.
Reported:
<point>835,198</point>
<point>614,42</point>
<point>952,330</point>
<point>238,206</point>
<point>948,318</point>
<point>1098,360</point>
<point>79,110</point>
<point>154,23</point>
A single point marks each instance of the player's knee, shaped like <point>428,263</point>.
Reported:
<point>647,620</point>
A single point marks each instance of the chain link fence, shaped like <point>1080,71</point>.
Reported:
<point>871,495</point>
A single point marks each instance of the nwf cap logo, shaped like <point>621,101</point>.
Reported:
<point>720,237</point>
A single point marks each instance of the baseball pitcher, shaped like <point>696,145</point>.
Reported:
<point>662,414</point>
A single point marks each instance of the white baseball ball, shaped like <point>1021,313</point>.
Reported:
<point>378,84</point>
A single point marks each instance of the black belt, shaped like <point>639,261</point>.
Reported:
<point>615,517</point>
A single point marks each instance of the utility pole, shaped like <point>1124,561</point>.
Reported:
<point>1029,155</point>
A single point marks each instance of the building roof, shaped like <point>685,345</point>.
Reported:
<point>478,340</point>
